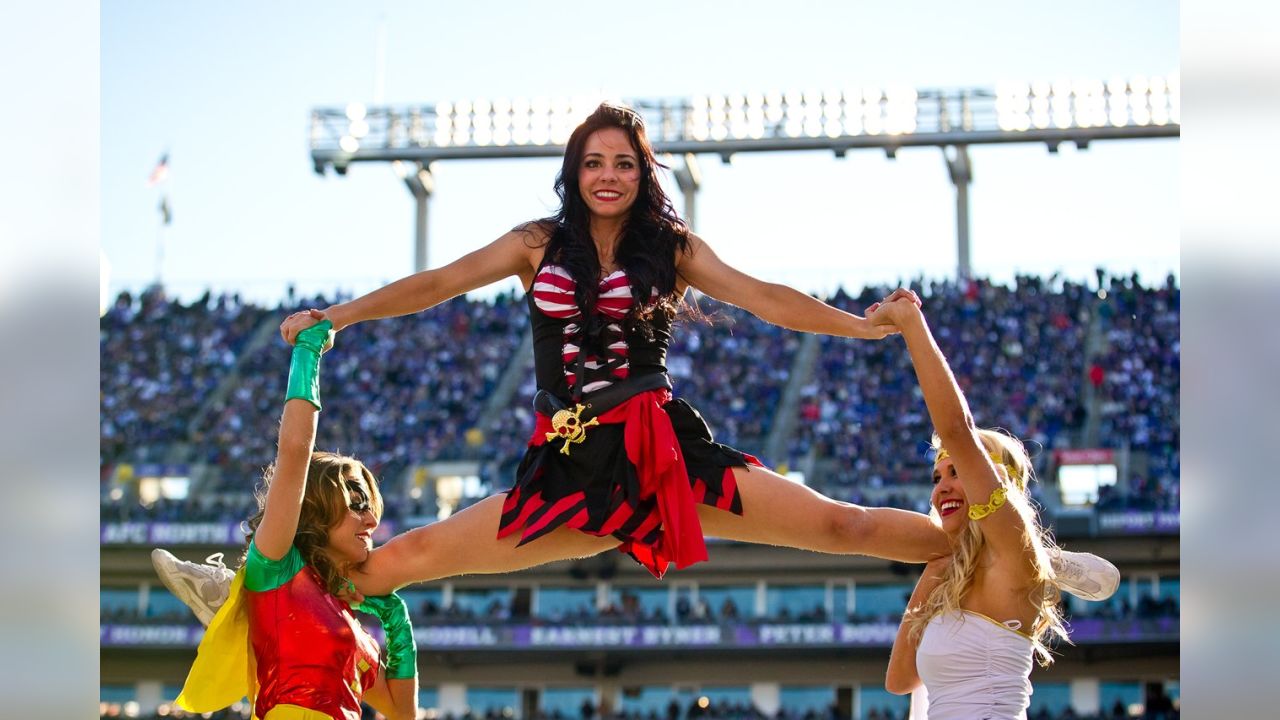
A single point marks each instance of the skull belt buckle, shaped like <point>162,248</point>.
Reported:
<point>568,424</point>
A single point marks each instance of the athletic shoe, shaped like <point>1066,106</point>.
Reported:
<point>1084,575</point>
<point>204,588</point>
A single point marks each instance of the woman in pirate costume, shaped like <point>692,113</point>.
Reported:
<point>615,459</point>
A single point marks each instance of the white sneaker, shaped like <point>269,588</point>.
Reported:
<point>204,588</point>
<point>1084,575</point>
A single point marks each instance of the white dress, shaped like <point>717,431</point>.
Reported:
<point>974,668</point>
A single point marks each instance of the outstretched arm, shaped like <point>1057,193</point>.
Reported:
<point>509,255</point>
<point>901,677</point>
<point>275,534</point>
<point>953,422</point>
<point>772,302</point>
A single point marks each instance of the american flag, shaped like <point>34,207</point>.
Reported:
<point>160,173</point>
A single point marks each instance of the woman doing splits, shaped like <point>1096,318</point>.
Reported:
<point>977,616</point>
<point>615,459</point>
<point>287,638</point>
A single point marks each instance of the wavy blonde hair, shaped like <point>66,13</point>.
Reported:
<point>324,504</point>
<point>958,577</point>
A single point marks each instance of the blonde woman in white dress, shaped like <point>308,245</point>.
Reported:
<point>978,617</point>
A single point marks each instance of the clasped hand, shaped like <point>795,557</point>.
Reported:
<point>299,321</point>
<point>894,309</point>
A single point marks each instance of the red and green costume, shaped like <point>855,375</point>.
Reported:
<point>310,651</point>
<point>281,638</point>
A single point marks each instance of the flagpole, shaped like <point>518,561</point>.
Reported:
<point>160,254</point>
<point>158,176</point>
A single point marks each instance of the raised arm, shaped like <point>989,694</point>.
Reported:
<point>772,302</point>
<point>949,411</point>
<point>511,254</point>
<point>279,524</point>
<point>902,677</point>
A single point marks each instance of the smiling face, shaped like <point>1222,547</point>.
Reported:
<point>948,498</point>
<point>609,176</point>
<point>350,539</point>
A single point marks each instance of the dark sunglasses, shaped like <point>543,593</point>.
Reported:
<point>361,505</point>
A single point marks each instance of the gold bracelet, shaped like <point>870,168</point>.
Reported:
<point>978,512</point>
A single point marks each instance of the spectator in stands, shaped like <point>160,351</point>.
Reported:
<point>312,657</point>
<point>728,609</point>
<point>610,473</point>
<point>971,664</point>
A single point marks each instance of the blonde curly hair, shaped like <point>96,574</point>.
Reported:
<point>958,576</point>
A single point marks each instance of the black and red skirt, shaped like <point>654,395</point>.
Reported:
<point>637,475</point>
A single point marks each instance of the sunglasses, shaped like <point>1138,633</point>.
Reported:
<point>360,505</point>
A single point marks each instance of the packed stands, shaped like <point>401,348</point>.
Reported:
<point>160,361</point>
<point>1137,377</point>
<point>1055,362</point>
<point>1015,350</point>
<point>396,391</point>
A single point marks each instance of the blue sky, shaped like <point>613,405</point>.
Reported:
<point>226,90</point>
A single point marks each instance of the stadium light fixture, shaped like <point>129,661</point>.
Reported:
<point>764,120</point>
<point>1079,111</point>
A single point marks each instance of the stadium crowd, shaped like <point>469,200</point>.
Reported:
<point>1137,376</point>
<point>160,360</point>
<point>406,391</point>
<point>1014,349</point>
<point>397,391</point>
<point>733,367</point>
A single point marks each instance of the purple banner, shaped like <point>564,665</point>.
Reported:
<point>1096,630</point>
<point>150,635</point>
<point>1139,522</point>
<point>710,637</point>
<point>169,534</point>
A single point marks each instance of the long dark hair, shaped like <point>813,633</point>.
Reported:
<point>651,235</point>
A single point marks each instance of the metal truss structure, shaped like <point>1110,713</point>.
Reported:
<point>834,120</point>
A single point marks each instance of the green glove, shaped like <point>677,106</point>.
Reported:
<point>304,367</point>
<point>402,650</point>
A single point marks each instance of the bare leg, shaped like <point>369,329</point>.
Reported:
<point>776,511</point>
<point>467,543</point>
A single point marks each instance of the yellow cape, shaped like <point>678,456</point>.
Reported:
<point>224,671</point>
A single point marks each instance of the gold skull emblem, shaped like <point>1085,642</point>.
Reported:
<point>568,424</point>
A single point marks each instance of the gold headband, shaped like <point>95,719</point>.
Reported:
<point>1014,476</point>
